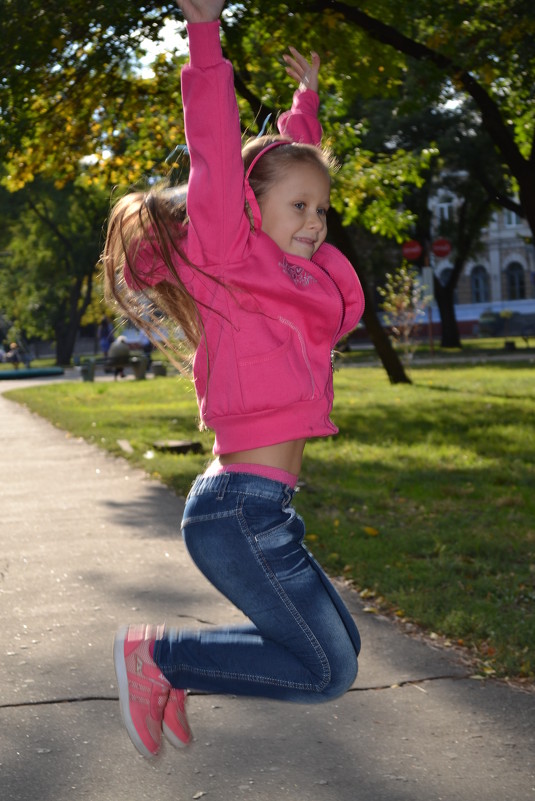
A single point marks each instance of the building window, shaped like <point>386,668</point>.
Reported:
<point>515,283</point>
<point>445,209</point>
<point>512,219</point>
<point>479,282</point>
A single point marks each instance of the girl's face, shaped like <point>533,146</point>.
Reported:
<point>294,210</point>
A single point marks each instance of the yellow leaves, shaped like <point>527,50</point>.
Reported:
<point>332,19</point>
<point>370,531</point>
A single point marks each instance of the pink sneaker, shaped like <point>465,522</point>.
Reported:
<point>143,689</point>
<point>175,722</point>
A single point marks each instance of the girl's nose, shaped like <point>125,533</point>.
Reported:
<point>315,221</point>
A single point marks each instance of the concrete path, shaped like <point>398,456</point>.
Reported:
<point>88,543</point>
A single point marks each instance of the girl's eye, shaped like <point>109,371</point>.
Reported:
<point>322,212</point>
<point>299,205</point>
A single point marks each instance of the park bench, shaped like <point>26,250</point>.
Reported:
<point>137,360</point>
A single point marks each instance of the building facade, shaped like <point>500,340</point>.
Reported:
<point>501,278</point>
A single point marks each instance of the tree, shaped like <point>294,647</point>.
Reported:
<point>404,302</point>
<point>66,144</point>
<point>341,236</point>
<point>465,166</point>
<point>470,215</point>
<point>52,242</point>
<point>72,51</point>
<point>482,50</point>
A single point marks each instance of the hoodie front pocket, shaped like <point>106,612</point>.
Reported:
<point>278,377</point>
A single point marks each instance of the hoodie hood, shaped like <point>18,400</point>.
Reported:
<point>249,194</point>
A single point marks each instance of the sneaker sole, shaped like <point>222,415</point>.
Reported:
<point>122,683</point>
<point>173,739</point>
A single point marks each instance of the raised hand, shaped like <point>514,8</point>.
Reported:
<point>303,71</point>
<point>201,10</point>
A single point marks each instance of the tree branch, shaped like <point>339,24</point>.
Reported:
<point>491,116</point>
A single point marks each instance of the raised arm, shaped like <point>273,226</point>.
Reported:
<point>301,122</point>
<point>218,226</point>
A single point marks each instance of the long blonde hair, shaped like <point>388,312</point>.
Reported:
<point>166,312</point>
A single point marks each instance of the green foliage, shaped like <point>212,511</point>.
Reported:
<point>370,189</point>
<point>71,90</point>
<point>51,240</point>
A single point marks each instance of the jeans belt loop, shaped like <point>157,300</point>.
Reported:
<point>225,478</point>
<point>288,495</point>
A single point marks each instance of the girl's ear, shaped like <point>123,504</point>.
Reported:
<point>252,208</point>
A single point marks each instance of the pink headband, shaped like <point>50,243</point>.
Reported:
<point>265,150</point>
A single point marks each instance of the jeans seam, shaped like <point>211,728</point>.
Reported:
<point>284,598</point>
<point>178,667</point>
<point>206,518</point>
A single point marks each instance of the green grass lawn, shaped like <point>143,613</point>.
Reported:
<point>425,500</point>
<point>473,347</point>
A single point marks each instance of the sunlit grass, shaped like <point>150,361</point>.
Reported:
<point>425,500</point>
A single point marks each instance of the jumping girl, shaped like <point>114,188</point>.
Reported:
<point>239,262</point>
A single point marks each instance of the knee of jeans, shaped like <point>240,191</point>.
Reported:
<point>342,675</point>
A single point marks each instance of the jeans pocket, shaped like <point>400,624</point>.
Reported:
<point>281,547</point>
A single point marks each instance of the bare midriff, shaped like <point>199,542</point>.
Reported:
<point>286,456</point>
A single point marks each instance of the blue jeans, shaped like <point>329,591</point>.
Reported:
<point>301,643</point>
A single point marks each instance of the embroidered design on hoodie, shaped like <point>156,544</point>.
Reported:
<point>299,275</point>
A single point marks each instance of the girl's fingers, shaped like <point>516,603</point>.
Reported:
<point>304,72</point>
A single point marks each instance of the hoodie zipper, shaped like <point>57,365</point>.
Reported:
<point>296,330</point>
<point>342,301</point>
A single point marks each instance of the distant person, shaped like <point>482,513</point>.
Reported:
<point>105,335</point>
<point>119,356</point>
<point>147,347</point>
<point>13,356</point>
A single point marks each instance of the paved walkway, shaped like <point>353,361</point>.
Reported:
<point>88,543</point>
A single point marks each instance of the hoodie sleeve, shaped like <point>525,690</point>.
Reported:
<point>218,226</point>
<point>301,122</point>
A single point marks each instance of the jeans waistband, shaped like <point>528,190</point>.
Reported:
<point>246,483</point>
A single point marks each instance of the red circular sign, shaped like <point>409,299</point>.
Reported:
<point>441,248</point>
<point>411,250</point>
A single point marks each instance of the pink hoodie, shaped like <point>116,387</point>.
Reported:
<point>263,370</point>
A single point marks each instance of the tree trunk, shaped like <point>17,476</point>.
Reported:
<point>339,236</point>
<point>527,197</point>
<point>450,330</point>
<point>67,329</point>
<point>65,342</point>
